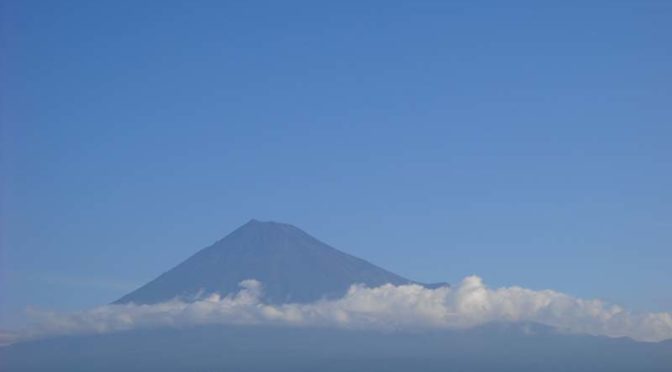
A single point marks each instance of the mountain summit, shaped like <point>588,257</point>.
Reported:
<point>292,266</point>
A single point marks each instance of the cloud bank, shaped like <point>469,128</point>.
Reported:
<point>389,307</point>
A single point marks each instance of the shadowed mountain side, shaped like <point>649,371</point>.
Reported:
<point>292,266</point>
<point>498,347</point>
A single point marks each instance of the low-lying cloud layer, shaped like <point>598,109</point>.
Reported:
<point>406,307</point>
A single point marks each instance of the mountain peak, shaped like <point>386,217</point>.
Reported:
<point>292,266</point>
<point>268,225</point>
<point>264,235</point>
<point>255,221</point>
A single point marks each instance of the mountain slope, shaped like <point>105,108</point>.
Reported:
<point>292,266</point>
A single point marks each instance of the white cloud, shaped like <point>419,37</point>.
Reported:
<point>406,307</point>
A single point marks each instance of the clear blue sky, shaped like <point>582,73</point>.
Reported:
<point>531,145</point>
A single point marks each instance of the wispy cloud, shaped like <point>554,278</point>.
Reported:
<point>74,282</point>
<point>92,283</point>
<point>7,338</point>
<point>406,307</point>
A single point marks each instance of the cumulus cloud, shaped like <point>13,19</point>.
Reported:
<point>389,307</point>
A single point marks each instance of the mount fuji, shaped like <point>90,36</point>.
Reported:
<point>292,266</point>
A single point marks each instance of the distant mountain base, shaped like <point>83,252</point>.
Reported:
<point>519,348</point>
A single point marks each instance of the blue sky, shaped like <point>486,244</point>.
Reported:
<point>527,144</point>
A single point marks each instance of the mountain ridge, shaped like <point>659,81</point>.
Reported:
<point>496,347</point>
